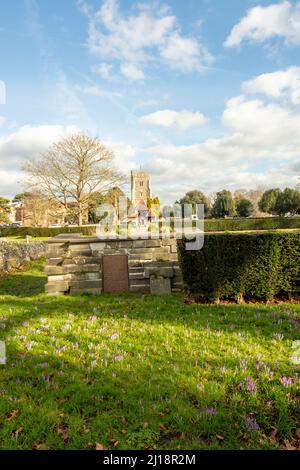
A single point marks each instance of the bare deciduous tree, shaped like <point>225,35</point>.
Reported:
<point>71,170</point>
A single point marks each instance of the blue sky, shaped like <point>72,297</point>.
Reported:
<point>202,93</point>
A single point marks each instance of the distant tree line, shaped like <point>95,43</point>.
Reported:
<point>225,204</point>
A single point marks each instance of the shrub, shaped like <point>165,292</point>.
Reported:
<point>262,223</point>
<point>254,266</point>
<point>45,231</point>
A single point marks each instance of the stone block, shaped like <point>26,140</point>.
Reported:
<point>79,260</point>
<point>55,270</point>
<point>159,286</point>
<point>160,271</point>
<point>84,252</point>
<point>99,246</point>
<point>146,243</point>
<point>88,290</point>
<point>115,251</point>
<point>126,244</point>
<point>136,275</point>
<point>141,256</point>
<point>86,284</point>
<point>58,286</point>
<point>139,282</point>
<point>141,288</point>
<point>59,277</point>
<point>55,261</point>
<point>86,276</point>
<point>84,268</point>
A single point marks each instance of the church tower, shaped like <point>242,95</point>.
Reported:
<point>140,188</point>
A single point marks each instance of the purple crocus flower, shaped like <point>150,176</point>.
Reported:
<point>251,423</point>
<point>248,384</point>
<point>210,411</point>
<point>119,357</point>
<point>286,381</point>
<point>114,336</point>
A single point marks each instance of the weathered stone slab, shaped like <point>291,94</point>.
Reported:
<point>143,255</point>
<point>55,261</point>
<point>83,260</point>
<point>159,286</point>
<point>146,243</point>
<point>58,286</point>
<point>85,284</point>
<point>79,276</point>
<point>142,289</point>
<point>59,277</point>
<point>84,268</point>
<point>97,246</point>
<point>88,290</point>
<point>55,270</point>
<point>159,271</point>
<point>136,275</point>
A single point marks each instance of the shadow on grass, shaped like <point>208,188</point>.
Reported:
<point>69,404</point>
<point>23,283</point>
<point>255,321</point>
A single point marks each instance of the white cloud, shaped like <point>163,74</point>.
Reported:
<point>183,54</point>
<point>132,72</point>
<point>103,70</point>
<point>268,128</point>
<point>282,83</point>
<point>125,155</point>
<point>262,23</point>
<point>25,143</point>
<point>147,35</point>
<point>181,120</point>
<point>260,147</point>
<point>28,142</point>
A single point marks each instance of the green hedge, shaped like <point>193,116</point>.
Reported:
<point>45,231</point>
<point>262,223</point>
<point>256,266</point>
<point>210,225</point>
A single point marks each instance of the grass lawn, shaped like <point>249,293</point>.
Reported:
<point>143,372</point>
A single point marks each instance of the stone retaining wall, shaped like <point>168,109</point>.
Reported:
<point>74,265</point>
<point>14,254</point>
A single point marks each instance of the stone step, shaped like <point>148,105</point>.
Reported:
<point>136,275</point>
<point>82,260</point>
<point>85,284</point>
<point>143,289</point>
<point>57,286</point>
<point>71,268</point>
<point>88,290</point>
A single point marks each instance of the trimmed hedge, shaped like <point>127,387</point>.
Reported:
<point>256,266</point>
<point>258,223</point>
<point>45,231</point>
<point>210,225</point>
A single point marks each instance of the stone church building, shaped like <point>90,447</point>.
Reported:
<point>140,188</point>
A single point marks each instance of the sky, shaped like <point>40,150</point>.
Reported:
<point>202,94</point>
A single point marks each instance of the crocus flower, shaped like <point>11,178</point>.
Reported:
<point>119,357</point>
<point>210,411</point>
<point>286,381</point>
<point>251,423</point>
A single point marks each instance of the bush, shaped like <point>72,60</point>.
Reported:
<point>45,231</point>
<point>262,223</point>
<point>254,266</point>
